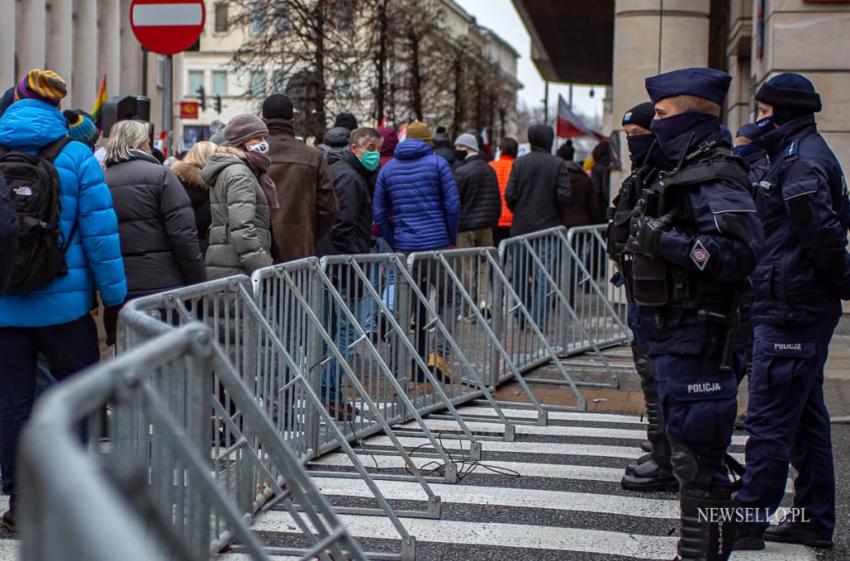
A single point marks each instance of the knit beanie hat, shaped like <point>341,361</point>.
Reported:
<point>277,106</point>
<point>7,99</point>
<point>418,129</point>
<point>45,85</point>
<point>346,120</point>
<point>244,127</point>
<point>791,94</point>
<point>81,126</point>
<point>567,151</point>
<point>467,140</point>
<point>640,115</point>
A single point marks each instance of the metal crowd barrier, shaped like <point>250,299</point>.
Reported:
<point>276,381</point>
<point>558,277</point>
<point>151,477</point>
<point>430,356</point>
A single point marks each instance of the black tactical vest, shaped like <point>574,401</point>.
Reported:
<point>656,282</point>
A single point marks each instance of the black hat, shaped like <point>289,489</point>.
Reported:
<point>277,106</point>
<point>792,91</point>
<point>706,83</point>
<point>346,120</point>
<point>640,115</point>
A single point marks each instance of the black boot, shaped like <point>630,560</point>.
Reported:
<point>650,477</point>
<point>641,460</point>
<point>707,526</point>
<point>796,532</point>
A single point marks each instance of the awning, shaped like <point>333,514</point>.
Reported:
<point>572,41</point>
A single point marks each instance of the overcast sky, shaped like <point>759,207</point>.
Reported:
<point>501,17</point>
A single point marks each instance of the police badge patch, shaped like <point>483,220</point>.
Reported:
<point>700,255</point>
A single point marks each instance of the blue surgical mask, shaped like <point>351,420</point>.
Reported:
<point>639,145</point>
<point>671,132</point>
<point>260,147</point>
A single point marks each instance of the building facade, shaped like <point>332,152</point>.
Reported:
<point>753,40</point>
<point>83,41</point>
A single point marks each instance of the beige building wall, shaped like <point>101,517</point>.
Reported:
<point>811,39</point>
<point>652,36</point>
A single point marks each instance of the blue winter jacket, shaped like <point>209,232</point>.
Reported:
<point>803,270</point>
<point>416,204</point>
<point>94,256</point>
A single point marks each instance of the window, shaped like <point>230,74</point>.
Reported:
<point>258,83</point>
<point>219,82</point>
<point>196,80</point>
<point>258,19</point>
<point>221,23</point>
<point>279,81</point>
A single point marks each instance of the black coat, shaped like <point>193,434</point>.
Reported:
<point>583,208</point>
<point>199,194</point>
<point>156,225</point>
<point>8,234</point>
<point>352,232</point>
<point>478,188</point>
<point>538,185</point>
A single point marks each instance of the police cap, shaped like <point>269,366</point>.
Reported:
<point>706,83</point>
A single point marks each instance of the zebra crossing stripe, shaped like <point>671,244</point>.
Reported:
<point>523,536</point>
<point>629,453</point>
<point>551,430</point>
<point>555,415</point>
<point>9,549</point>
<point>509,497</point>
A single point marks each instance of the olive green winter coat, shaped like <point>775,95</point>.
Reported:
<point>240,238</point>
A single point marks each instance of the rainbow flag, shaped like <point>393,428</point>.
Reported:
<point>99,101</point>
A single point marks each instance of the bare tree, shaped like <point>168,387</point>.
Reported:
<point>307,43</point>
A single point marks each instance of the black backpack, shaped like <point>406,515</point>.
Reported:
<point>34,187</point>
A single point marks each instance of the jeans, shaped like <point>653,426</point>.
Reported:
<point>383,279</point>
<point>529,277</point>
<point>68,347</point>
<point>343,332</point>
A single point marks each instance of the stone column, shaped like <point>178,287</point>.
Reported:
<point>60,45</point>
<point>652,36</point>
<point>810,39</point>
<point>131,55</point>
<point>7,44</point>
<point>86,78</point>
<point>29,44</point>
<point>109,43</point>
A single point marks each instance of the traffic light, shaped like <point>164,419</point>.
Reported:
<point>217,103</point>
<point>202,97</point>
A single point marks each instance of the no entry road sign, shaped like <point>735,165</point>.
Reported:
<point>167,27</point>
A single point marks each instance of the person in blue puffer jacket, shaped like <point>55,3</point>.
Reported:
<point>416,203</point>
<point>417,208</point>
<point>55,320</point>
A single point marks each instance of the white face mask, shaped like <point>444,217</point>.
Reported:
<point>261,147</point>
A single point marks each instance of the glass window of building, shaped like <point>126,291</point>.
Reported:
<point>196,80</point>
<point>221,23</point>
<point>258,83</point>
<point>219,82</point>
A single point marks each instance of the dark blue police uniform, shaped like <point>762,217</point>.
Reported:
<point>652,471</point>
<point>802,274</point>
<point>694,246</point>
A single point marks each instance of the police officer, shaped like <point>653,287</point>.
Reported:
<point>652,471</point>
<point>695,237</point>
<point>750,151</point>
<point>802,274</point>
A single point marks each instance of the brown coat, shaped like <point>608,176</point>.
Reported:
<point>308,203</point>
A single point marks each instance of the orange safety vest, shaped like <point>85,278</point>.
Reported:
<point>503,166</point>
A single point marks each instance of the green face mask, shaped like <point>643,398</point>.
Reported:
<point>371,160</point>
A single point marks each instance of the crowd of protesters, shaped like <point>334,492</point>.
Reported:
<point>127,224</point>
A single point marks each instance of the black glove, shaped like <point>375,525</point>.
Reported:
<point>110,322</point>
<point>646,235</point>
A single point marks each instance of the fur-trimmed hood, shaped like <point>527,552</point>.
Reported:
<point>190,175</point>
